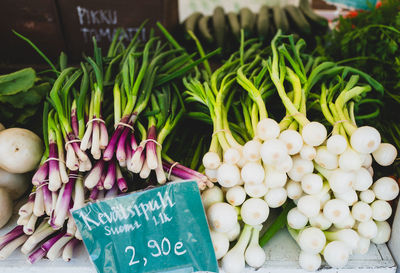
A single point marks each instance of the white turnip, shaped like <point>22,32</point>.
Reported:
<point>20,150</point>
<point>6,205</point>
<point>16,184</point>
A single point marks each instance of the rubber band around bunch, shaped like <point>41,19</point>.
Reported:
<point>151,140</point>
<point>95,119</point>
<point>170,169</point>
<point>53,158</point>
<point>125,125</point>
<point>219,131</point>
<point>70,142</point>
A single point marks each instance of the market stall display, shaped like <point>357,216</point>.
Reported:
<point>278,127</point>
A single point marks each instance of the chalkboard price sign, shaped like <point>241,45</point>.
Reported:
<point>163,229</point>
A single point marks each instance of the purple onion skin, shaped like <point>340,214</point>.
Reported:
<point>47,196</point>
<point>121,155</point>
<point>129,152</point>
<point>49,243</point>
<point>111,173</point>
<point>185,169</point>
<point>41,174</point>
<point>74,122</point>
<point>110,149</point>
<point>113,192</point>
<point>11,235</point>
<point>178,172</point>
<point>53,164</point>
<point>122,185</point>
<point>100,185</point>
<point>37,255</point>
<point>62,210</point>
<point>151,147</point>
<point>133,142</point>
<point>95,173</point>
<point>94,193</point>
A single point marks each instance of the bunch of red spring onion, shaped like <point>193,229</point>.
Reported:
<point>103,121</point>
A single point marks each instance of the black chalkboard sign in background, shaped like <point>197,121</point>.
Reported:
<point>68,25</point>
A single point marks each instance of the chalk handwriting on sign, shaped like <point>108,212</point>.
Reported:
<point>156,230</point>
<point>102,24</point>
<point>159,250</point>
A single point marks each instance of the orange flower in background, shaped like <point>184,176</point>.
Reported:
<point>352,14</point>
<point>378,4</point>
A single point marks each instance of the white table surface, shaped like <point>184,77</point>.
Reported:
<point>282,256</point>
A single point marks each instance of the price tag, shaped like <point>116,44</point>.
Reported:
<point>356,4</point>
<point>163,229</point>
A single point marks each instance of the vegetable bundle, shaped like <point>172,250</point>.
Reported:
<point>102,123</point>
<point>370,41</point>
<point>260,160</point>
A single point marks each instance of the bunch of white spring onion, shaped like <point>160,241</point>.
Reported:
<point>80,162</point>
<point>258,162</point>
<point>339,207</point>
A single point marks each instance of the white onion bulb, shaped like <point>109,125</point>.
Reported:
<point>300,168</point>
<point>267,129</point>
<point>350,197</point>
<point>381,210</point>
<point>363,180</point>
<point>365,139</point>
<point>350,160</point>
<point>341,181</point>
<point>308,152</point>
<point>367,229</point>
<point>211,196</point>
<point>235,195</point>
<point>386,188</point>
<point>385,154</point>
<point>276,197</point>
<point>309,262</point>
<point>311,240</point>
<point>320,222</point>
<point>285,165</point>
<point>296,219</point>
<point>254,211</point>
<point>336,254</point>
<point>211,160</point>
<point>293,141</point>
<point>222,217</point>
<point>362,246</point>
<point>361,211</point>
<point>326,159</point>
<point>336,144</point>
<point>348,222</point>
<point>211,174</point>
<point>228,175</point>
<point>311,183</point>
<point>294,190</point>
<point>336,210</point>
<point>273,151</point>
<point>367,196</point>
<point>251,150</point>
<point>275,178</point>
<point>252,173</point>
<point>383,234</point>
<point>309,205</point>
<point>234,233</point>
<point>232,156</point>
<point>257,190</point>
<point>220,243</point>
<point>314,133</point>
